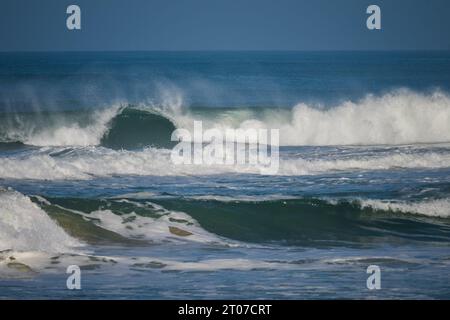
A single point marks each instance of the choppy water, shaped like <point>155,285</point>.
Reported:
<point>86,175</point>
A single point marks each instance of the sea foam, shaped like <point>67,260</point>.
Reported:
<point>26,227</point>
<point>432,207</point>
<point>91,162</point>
<point>400,117</point>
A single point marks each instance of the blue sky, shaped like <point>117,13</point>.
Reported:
<point>224,25</point>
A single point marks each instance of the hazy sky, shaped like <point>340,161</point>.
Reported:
<point>224,25</point>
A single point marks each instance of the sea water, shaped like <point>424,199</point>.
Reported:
<point>87,179</point>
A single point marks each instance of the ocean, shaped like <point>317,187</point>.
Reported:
<point>86,176</point>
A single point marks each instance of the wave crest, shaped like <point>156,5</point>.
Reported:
<point>400,117</point>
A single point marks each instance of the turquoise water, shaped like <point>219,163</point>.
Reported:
<point>86,176</point>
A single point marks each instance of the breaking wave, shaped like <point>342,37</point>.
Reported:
<point>401,117</point>
<point>24,226</point>
<point>116,128</point>
<point>59,224</point>
<point>310,221</point>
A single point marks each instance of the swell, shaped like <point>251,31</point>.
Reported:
<point>400,117</point>
<point>60,224</point>
<point>303,221</point>
<point>313,222</point>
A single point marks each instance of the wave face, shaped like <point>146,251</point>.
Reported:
<point>134,129</point>
<point>301,221</point>
<point>61,224</point>
<point>401,117</point>
<point>124,221</point>
<point>24,226</point>
<point>311,221</point>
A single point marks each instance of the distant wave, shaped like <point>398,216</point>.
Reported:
<point>432,207</point>
<point>401,117</point>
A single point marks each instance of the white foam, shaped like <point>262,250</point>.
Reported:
<point>431,208</point>
<point>40,262</point>
<point>242,198</point>
<point>40,167</point>
<point>400,117</point>
<point>429,160</point>
<point>89,162</point>
<point>65,131</point>
<point>72,134</point>
<point>155,229</point>
<point>26,227</point>
<point>223,264</point>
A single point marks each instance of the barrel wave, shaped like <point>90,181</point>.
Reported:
<point>399,117</point>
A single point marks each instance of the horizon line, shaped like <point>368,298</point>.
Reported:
<point>227,50</point>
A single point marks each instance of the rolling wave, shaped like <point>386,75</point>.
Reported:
<point>310,221</point>
<point>401,117</point>
<point>61,223</point>
<point>64,225</point>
